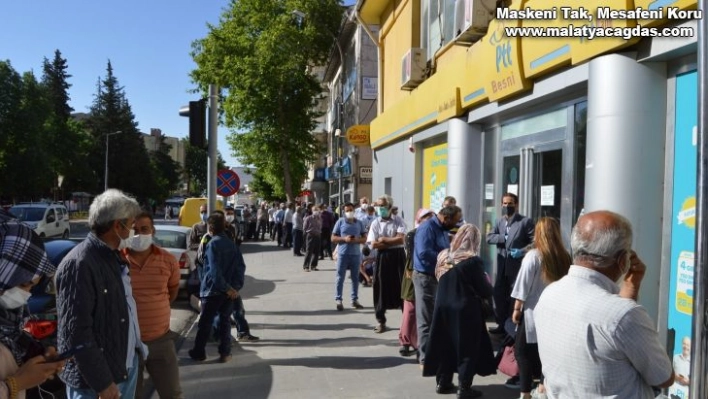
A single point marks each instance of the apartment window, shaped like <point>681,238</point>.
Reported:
<point>437,24</point>
<point>387,186</point>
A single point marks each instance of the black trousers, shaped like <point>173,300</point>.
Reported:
<point>503,285</point>
<point>326,243</point>
<point>297,241</point>
<point>527,358</point>
<point>279,233</point>
<point>288,233</point>
<point>313,251</point>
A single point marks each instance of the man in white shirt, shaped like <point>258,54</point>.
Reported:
<point>360,212</point>
<point>682,369</point>
<point>594,339</point>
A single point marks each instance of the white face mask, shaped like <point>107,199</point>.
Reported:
<point>229,218</point>
<point>124,242</point>
<point>349,215</point>
<point>141,242</point>
<point>14,298</point>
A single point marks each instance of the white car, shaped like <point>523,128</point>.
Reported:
<point>47,219</point>
<point>174,239</point>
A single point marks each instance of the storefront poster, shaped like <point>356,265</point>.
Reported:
<point>434,176</point>
<point>683,230</point>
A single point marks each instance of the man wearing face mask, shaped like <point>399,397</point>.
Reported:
<point>199,229</point>
<point>155,278</point>
<point>386,235</point>
<point>431,237</point>
<point>511,234</point>
<point>591,330</point>
<point>95,305</point>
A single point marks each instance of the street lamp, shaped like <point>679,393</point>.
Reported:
<point>105,183</point>
<point>340,168</point>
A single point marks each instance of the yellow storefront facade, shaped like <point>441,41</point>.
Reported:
<point>570,124</point>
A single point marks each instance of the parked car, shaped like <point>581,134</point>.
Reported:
<point>47,219</point>
<point>42,307</point>
<point>175,239</point>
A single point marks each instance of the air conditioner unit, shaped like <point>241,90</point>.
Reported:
<point>472,19</point>
<point>412,67</point>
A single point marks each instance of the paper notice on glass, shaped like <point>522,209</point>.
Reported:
<point>548,195</point>
<point>489,191</point>
<point>513,188</point>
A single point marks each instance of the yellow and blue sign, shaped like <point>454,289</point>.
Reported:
<point>683,219</point>
<point>434,176</point>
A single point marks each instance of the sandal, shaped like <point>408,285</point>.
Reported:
<point>380,328</point>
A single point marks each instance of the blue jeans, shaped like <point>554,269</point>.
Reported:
<point>239,314</point>
<point>126,388</point>
<point>351,263</point>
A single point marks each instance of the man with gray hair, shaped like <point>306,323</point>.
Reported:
<point>95,305</point>
<point>594,339</point>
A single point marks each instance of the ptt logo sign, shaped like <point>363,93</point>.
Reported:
<point>503,47</point>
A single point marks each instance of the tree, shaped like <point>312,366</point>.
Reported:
<point>167,172</point>
<point>129,165</point>
<point>195,166</point>
<point>262,187</point>
<point>260,55</point>
<point>10,123</point>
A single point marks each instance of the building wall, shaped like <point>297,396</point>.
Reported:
<point>397,38</point>
<point>391,175</point>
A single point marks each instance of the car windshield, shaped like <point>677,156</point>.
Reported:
<point>28,214</point>
<point>171,239</point>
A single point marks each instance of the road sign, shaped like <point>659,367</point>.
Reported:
<point>227,182</point>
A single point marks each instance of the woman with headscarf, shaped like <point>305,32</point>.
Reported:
<point>23,262</point>
<point>459,341</point>
<point>545,261</point>
<point>408,333</point>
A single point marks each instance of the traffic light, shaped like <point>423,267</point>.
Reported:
<point>197,123</point>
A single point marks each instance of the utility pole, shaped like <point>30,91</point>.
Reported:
<point>212,152</point>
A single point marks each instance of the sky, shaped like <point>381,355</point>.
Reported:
<point>147,42</point>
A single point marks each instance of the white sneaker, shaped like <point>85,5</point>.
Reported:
<point>538,395</point>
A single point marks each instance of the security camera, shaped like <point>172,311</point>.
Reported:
<point>411,147</point>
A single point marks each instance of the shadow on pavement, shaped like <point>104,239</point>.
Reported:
<point>313,312</point>
<point>316,327</point>
<point>347,342</point>
<point>253,287</point>
<point>342,362</point>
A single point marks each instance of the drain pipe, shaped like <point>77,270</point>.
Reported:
<point>379,69</point>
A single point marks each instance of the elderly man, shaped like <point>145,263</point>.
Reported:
<point>155,277</point>
<point>95,305</point>
<point>431,237</point>
<point>198,229</point>
<point>386,235</point>
<point>360,211</point>
<point>348,234</point>
<point>594,339</point>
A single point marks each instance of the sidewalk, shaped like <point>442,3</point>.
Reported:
<point>308,349</point>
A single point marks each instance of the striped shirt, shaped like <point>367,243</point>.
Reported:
<point>152,283</point>
<point>594,343</point>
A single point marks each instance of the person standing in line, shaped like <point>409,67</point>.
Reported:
<point>511,234</point>
<point>312,226</point>
<point>408,333</point>
<point>288,225</point>
<point>386,236</point>
<point>198,229</point>
<point>431,238</point>
<point>218,278</point>
<point>298,233</point>
<point>271,220</point>
<point>279,225</point>
<point>360,212</point>
<point>95,305</point>
<point>594,339</point>
<point>545,262</point>
<point>168,212</point>
<point>348,234</point>
<point>262,224</point>
<point>155,276</point>
<point>327,224</point>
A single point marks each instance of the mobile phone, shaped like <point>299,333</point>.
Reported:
<point>69,353</point>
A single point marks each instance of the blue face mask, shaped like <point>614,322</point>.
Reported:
<point>204,217</point>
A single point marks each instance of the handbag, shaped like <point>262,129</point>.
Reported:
<point>507,364</point>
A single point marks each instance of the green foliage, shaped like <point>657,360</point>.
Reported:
<point>166,172</point>
<point>260,54</point>
<point>264,188</point>
<point>195,166</point>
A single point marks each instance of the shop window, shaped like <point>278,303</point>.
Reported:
<point>387,186</point>
<point>535,124</point>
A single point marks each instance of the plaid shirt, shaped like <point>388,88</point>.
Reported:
<point>22,255</point>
